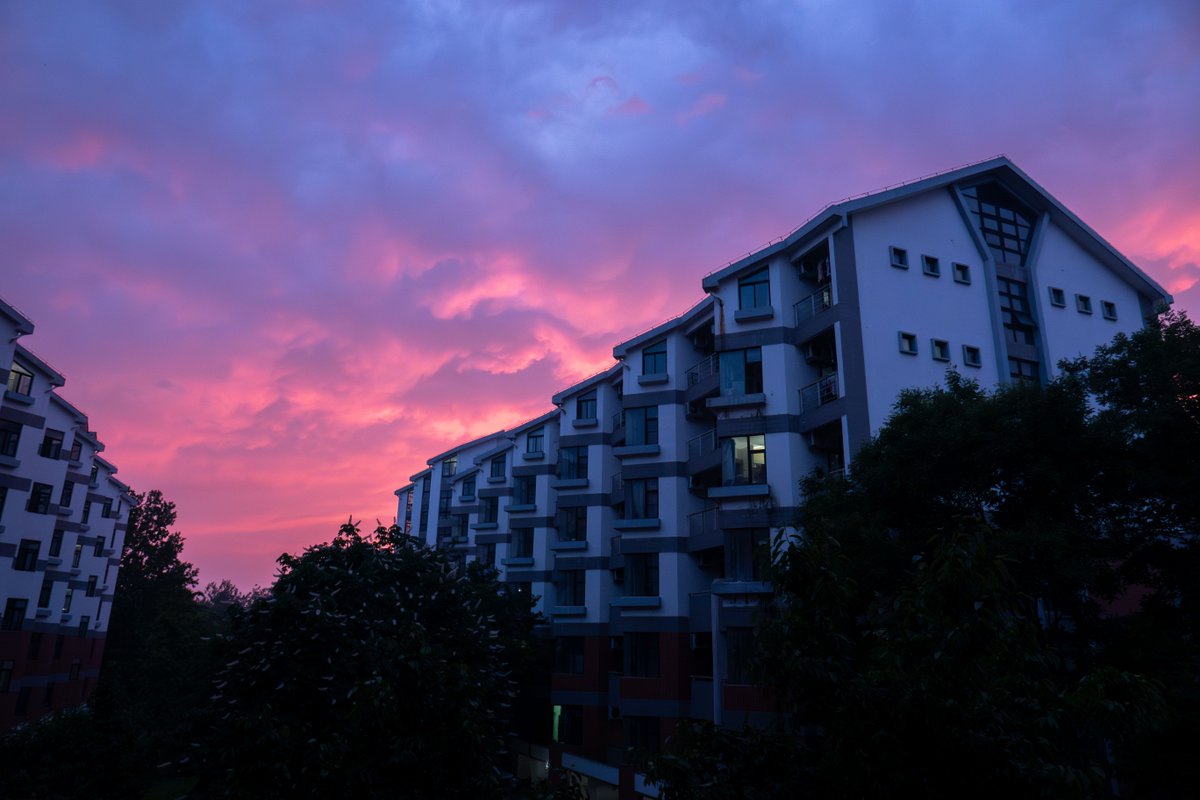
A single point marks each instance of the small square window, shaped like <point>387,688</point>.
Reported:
<point>899,258</point>
<point>931,266</point>
<point>962,273</point>
<point>908,343</point>
<point>941,349</point>
<point>971,356</point>
<point>1083,304</point>
<point>1058,297</point>
<point>1108,309</point>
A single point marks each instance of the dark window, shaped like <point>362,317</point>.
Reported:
<point>74,674</point>
<point>568,725</point>
<point>1014,311</point>
<point>972,356</point>
<point>468,487</point>
<point>962,273</point>
<point>58,646</point>
<point>641,498</point>
<point>522,543</point>
<point>489,509</point>
<point>10,437</point>
<point>573,462</point>
<point>444,498</point>
<point>78,555</point>
<point>572,524</point>
<point>14,614</point>
<point>931,266</point>
<point>56,544</point>
<point>35,646</point>
<point>1058,297</point>
<point>585,406</point>
<point>568,655</point>
<point>107,507</point>
<point>84,621</point>
<point>654,359</point>
<point>702,654</point>
<point>67,598</point>
<point>91,586</point>
<point>535,441</point>
<point>68,494</point>
<point>87,511</point>
<point>754,291</point>
<point>48,700</point>
<point>1083,304</point>
<point>20,380</point>
<point>571,588</point>
<point>98,547</point>
<point>6,671</point>
<point>741,371</point>
<point>641,425</point>
<point>3,498</point>
<point>27,555</point>
<point>525,490</point>
<point>739,648</point>
<point>449,467</point>
<point>1021,370</point>
<point>899,257</point>
<point>76,450</point>
<point>39,498</point>
<point>423,522</point>
<point>498,465</point>
<point>458,527</point>
<point>940,348</point>
<point>641,655</point>
<point>94,475</point>
<point>744,460</point>
<point>641,734</point>
<point>641,575</point>
<point>52,443</point>
<point>44,596</point>
<point>486,554</point>
<point>1005,230</point>
<point>747,553</point>
<point>1108,309</point>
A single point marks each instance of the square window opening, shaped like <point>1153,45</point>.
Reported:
<point>899,257</point>
<point>931,266</point>
<point>962,273</point>
<point>908,343</point>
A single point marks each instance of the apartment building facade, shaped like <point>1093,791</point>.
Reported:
<point>642,517</point>
<point>63,515</point>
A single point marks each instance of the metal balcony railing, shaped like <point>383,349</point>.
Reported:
<point>702,522</point>
<point>702,444</point>
<point>815,303</point>
<point>705,369</point>
<point>818,393</point>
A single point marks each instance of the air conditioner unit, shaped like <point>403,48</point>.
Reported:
<point>811,353</point>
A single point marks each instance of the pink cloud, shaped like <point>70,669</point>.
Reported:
<point>704,106</point>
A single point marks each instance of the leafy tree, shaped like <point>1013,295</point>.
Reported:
<point>376,667</point>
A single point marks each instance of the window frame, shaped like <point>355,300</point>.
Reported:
<point>1108,310</point>
<point>1058,298</point>
<point>939,349</point>
<point>962,272</point>
<point>10,438</point>
<point>572,524</point>
<point>908,343</point>
<point>585,406</point>
<point>931,266</point>
<point>649,498</point>
<point>643,575</point>
<point>654,356</point>
<point>972,356</point>
<point>898,256</point>
<point>489,510</point>
<point>732,473</point>
<point>27,554</point>
<point>40,495</point>
<point>752,379</point>
<point>1083,303</point>
<point>537,437</point>
<point>573,463</point>
<point>20,376</point>
<point>755,287</point>
<point>524,490</point>
<point>644,421</point>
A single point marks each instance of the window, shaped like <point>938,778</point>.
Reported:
<point>444,498</point>
<point>940,348</point>
<point>535,442</point>
<point>489,509</point>
<point>94,474</point>
<point>91,586</point>
<point>899,257</point>
<point>931,266</point>
<point>522,543</point>
<point>1083,304</point>
<point>1014,311</point>
<point>106,507</point>
<point>14,614</point>
<point>654,359</point>
<point>908,343</point>
<point>98,547</point>
<point>76,450</point>
<point>20,380</point>
<point>641,575</point>
<point>641,425</point>
<point>84,621</point>
<point>1020,369</point>
<point>27,555</point>
<point>641,498</point>
<point>744,460</point>
<point>641,734</point>
<point>498,466</point>
<point>67,598</point>
<point>39,498</point>
<point>971,356</point>
<point>568,725</point>
<point>3,498</point>
<point>87,512</point>
<point>573,463</point>
<point>754,291</point>
<point>962,273</point>
<point>74,674</point>
<point>571,587</point>
<point>739,646</point>
<point>568,655</point>
<point>449,466</point>
<point>616,654</point>
<point>10,437</point>
<point>641,655</point>
<point>52,443</point>
<point>1108,309</point>
<point>486,554</point>
<point>468,487</point>
<point>56,544</point>
<point>525,490</point>
<point>458,527</point>
<point>572,524</point>
<point>6,671</point>
<point>44,596</point>
<point>1058,297</point>
<point>35,646</point>
<point>747,553</point>
<point>585,406</point>
<point>1005,230</point>
<point>68,493</point>
<point>741,372</point>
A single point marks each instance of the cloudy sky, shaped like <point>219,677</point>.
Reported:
<point>285,251</point>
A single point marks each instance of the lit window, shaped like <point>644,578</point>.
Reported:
<point>971,356</point>
<point>941,349</point>
<point>1083,304</point>
<point>931,266</point>
<point>1058,297</point>
<point>1108,309</point>
<point>754,291</point>
<point>654,359</point>
<point>585,406</point>
<point>741,372</point>
<point>962,273</point>
<point>899,257</point>
<point>20,380</point>
<point>908,343</point>
<point>744,461</point>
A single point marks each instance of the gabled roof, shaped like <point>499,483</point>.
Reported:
<point>419,475</point>
<point>406,488</point>
<point>585,384</point>
<point>1000,169</point>
<point>464,446</point>
<point>532,423</point>
<point>507,444</point>
<point>79,417</point>
<point>56,377</point>
<point>683,320</point>
<point>22,323</point>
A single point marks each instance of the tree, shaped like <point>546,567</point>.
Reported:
<point>376,667</point>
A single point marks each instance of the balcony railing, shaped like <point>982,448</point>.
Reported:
<point>815,303</point>
<point>705,369</point>
<point>818,393</point>
<point>702,522</point>
<point>618,421</point>
<point>618,490</point>
<point>702,444</point>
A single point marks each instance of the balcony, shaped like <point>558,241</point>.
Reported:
<point>703,378</point>
<point>815,303</point>
<point>618,427</point>
<point>819,393</point>
<point>618,490</point>
<point>703,444</point>
<point>703,530</point>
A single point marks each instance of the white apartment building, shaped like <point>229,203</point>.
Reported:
<point>642,511</point>
<point>62,527</point>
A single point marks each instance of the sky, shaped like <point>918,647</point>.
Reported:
<point>285,252</point>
